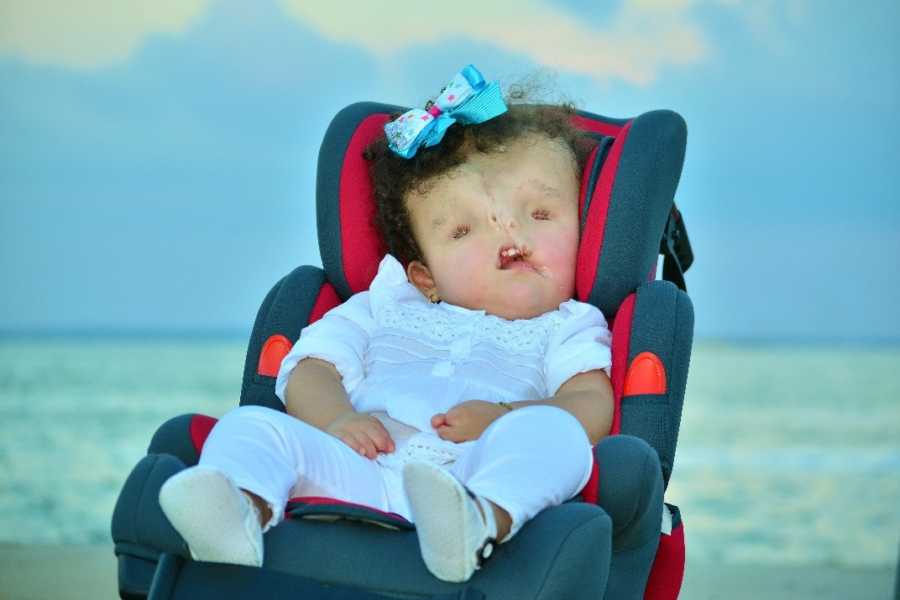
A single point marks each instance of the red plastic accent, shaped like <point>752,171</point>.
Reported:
<point>586,124</point>
<point>646,375</point>
<point>273,352</point>
<point>322,500</point>
<point>199,428</point>
<point>667,572</point>
<point>361,246</point>
<point>621,342</point>
<point>277,346</point>
<point>326,300</point>
<point>591,491</point>
<point>591,246</point>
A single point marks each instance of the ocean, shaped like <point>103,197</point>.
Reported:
<point>788,453</point>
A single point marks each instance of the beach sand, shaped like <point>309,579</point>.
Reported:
<point>39,572</point>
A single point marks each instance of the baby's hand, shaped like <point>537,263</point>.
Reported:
<point>362,432</point>
<point>466,421</point>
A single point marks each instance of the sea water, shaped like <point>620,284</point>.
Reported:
<point>787,454</point>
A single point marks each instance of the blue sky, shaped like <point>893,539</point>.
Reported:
<point>158,168</point>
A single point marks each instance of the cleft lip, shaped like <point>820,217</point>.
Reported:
<point>510,253</point>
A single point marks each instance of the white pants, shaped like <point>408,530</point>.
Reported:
<point>527,460</point>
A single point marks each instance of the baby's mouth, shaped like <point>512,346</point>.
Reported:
<point>513,257</point>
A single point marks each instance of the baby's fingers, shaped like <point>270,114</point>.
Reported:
<point>350,440</point>
<point>380,437</point>
<point>455,416</point>
<point>449,433</point>
<point>367,446</point>
<point>359,442</point>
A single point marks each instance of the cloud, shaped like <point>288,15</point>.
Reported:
<point>773,24</point>
<point>88,33</point>
<point>634,44</point>
<point>627,40</point>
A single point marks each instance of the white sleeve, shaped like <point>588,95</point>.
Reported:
<point>340,337</point>
<point>581,344</point>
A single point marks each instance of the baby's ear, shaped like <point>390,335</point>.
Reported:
<point>420,276</point>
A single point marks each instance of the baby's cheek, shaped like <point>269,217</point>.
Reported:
<point>560,246</point>
<point>561,254</point>
<point>463,276</point>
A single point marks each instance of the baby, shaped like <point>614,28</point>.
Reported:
<point>465,389</point>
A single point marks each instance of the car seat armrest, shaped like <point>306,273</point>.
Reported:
<point>140,530</point>
<point>659,352</point>
<point>139,527</point>
<point>179,437</point>
<point>292,303</point>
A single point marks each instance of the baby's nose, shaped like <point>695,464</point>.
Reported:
<point>503,221</point>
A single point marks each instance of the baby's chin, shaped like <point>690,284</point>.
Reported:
<point>516,315</point>
<point>523,307</point>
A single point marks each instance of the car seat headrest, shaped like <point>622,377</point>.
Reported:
<point>627,189</point>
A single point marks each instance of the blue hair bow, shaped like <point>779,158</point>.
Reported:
<point>468,98</point>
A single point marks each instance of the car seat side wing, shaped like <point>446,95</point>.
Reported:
<point>298,299</point>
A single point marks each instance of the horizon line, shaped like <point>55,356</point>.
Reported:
<point>242,334</point>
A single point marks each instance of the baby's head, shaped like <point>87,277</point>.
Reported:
<point>488,218</point>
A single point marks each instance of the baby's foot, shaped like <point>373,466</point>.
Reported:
<point>455,537</point>
<point>217,520</point>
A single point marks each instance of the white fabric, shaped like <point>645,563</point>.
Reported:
<point>218,522</point>
<point>666,526</point>
<point>400,354</point>
<point>454,535</point>
<point>277,457</point>
<point>404,359</point>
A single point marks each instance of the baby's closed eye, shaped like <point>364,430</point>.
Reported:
<point>540,214</point>
<point>460,231</point>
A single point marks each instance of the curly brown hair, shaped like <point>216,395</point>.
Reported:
<point>394,177</point>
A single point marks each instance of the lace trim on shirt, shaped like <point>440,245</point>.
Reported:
<point>421,447</point>
<point>444,326</point>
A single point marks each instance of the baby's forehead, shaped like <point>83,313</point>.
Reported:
<point>536,165</point>
<point>531,153</point>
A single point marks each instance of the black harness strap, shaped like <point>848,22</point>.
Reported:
<point>676,249</point>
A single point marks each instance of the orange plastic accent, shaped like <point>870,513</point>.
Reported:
<point>646,375</point>
<point>273,352</point>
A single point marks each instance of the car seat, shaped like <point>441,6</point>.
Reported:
<point>326,548</point>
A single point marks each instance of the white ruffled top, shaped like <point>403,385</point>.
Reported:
<point>400,354</point>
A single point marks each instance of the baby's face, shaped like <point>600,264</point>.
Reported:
<point>500,232</point>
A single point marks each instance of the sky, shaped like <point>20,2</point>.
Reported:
<point>157,164</point>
